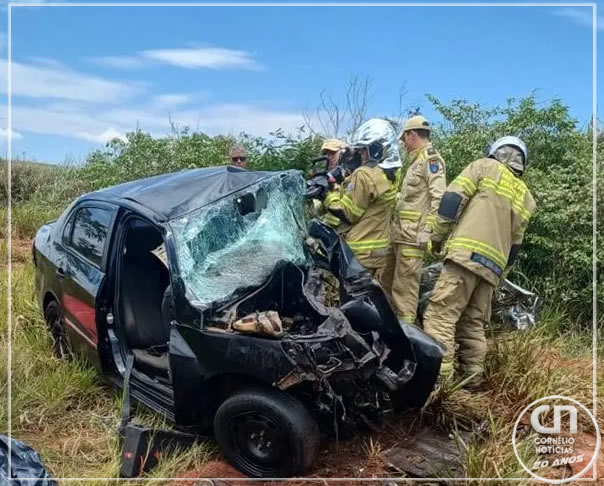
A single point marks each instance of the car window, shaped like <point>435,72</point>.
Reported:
<point>67,229</point>
<point>236,243</point>
<point>89,235</point>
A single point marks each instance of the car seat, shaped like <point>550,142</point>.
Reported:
<point>144,279</point>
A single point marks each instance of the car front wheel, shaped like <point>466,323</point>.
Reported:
<point>266,433</point>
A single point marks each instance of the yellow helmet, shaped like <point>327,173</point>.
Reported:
<point>417,122</point>
<point>333,145</point>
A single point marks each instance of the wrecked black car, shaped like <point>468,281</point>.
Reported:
<point>210,282</point>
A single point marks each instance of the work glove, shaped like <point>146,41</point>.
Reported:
<point>336,176</point>
<point>316,208</point>
<point>423,239</point>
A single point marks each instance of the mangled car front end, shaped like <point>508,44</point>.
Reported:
<point>254,273</point>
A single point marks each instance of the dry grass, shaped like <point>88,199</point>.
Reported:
<point>372,448</point>
<point>521,367</point>
<point>62,409</point>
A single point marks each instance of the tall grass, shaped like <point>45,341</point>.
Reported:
<point>63,409</point>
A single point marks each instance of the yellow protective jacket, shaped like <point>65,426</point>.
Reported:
<point>365,206</point>
<point>329,218</point>
<point>419,198</point>
<point>491,207</point>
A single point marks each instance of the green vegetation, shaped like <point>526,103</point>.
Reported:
<point>70,416</point>
<point>557,256</point>
<point>557,252</point>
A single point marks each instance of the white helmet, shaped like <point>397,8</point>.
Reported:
<point>379,137</point>
<point>514,142</point>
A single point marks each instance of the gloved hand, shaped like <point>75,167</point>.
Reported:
<point>316,208</point>
<point>336,176</point>
<point>423,238</point>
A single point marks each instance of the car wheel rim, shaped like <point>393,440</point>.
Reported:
<point>259,443</point>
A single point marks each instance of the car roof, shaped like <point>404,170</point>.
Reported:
<point>177,193</point>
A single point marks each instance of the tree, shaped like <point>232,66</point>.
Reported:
<point>332,118</point>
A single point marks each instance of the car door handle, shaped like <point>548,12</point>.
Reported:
<point>60,273</point>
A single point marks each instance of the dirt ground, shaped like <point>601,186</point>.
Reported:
<point>354,458</point>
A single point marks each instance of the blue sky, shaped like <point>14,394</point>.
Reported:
<point>83,75</point>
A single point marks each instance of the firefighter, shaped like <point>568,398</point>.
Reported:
<point>333,149</point>
<point>487,207</point>
<point>367,200</point>
<point>415,214</point>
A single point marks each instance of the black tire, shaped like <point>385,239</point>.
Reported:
<point>266,433</point>
<point>53,315</point>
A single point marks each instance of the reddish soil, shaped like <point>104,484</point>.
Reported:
<point>586,444</point>
<point>213,469</point>
<point>343,459</point>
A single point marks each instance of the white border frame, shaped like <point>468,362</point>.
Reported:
<point>302,4</point>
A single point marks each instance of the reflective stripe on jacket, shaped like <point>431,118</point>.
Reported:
<point>495,210</point>
<point>366,204</point>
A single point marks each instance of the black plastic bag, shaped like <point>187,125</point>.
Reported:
<point>26,466</point>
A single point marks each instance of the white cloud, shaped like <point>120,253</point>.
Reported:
<point>172,99</point>
<point>52,81</point>
<point>47,62</point>
<point>204,57</point>
<point>122,62</point>
<point>80,124</point>
<point>99,126</point>
<point>4,134</point>
<point>581,16</point>
<point>101,138</point>
<point>235,118</point>
<point>188,58</point>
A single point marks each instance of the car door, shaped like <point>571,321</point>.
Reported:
<point>81,269</point>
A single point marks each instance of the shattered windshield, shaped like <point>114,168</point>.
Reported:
<point>238,241</point>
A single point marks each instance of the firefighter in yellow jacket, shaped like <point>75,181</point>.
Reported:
<point>415,214</point>
<point>488,208</point>
<point>367,201</point>
<point>333,149</point>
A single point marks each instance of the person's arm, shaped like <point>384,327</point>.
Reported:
<point>454,200</point>
<point>333,197</point>
<point>436,177</point>
<point>355,199</point>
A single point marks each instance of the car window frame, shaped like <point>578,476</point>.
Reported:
<point>66,242</point>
